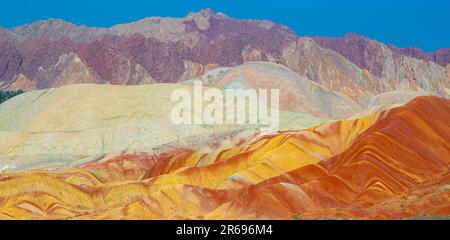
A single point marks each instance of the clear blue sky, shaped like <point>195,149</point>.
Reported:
<point>421,23</point>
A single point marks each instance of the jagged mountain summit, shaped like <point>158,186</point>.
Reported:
<point>53,52</point>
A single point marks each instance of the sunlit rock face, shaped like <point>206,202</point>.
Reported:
<point>387,165</point>
<point>298,94</point>
<point>169,50</point>
<point>63,126</point>
<point>364,130</point>
<point>394,68</point>
<point>59,126</point>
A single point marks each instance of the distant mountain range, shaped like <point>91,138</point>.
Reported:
<point>53,53</point>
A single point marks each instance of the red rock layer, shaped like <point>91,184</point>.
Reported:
<point>397,168</point>
<point>395,165</point>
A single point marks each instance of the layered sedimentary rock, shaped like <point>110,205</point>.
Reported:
<point>297,94</point>
<point>171,50</point>
<point>54,127</point>
<point>440,56</point>
<point>365,168</point>
<point>357,139</point>
<point>392,97</point>
<point>396,71</point>
<point>374,176</point>
<point>365,52</point>
<point>76,123</point>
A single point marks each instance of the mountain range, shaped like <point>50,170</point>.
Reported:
<point>364,126</point>
<point>53,53</point>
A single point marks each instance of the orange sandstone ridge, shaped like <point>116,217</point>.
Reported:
<point>390,165</point>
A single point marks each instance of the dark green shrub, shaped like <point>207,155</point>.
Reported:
<point>5,95</point>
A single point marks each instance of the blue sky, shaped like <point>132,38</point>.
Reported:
<point>421,23</point>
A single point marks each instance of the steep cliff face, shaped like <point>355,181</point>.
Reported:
<point>392,164</point>
<point>440,56</point>
<point>171,50</point>
<point>397,69</point>
<point>367,53</point>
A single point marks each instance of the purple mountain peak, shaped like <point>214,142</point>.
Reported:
<point>207,13</point>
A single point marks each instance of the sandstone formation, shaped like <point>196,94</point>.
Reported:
<point>364,127</point>
<point>338,170</point>
<point>75,123</point>
<point>297,94</point>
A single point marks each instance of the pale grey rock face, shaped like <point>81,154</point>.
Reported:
<point>71,124</point>
<point>393,97</point>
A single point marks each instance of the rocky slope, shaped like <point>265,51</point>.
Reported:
<point>297,94</point>
<point>398,71</point>
<point>357,137</point>
<point>75,123</point>
<point>171,50</point>
<point>440,56</point>
<point>342,169</point>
